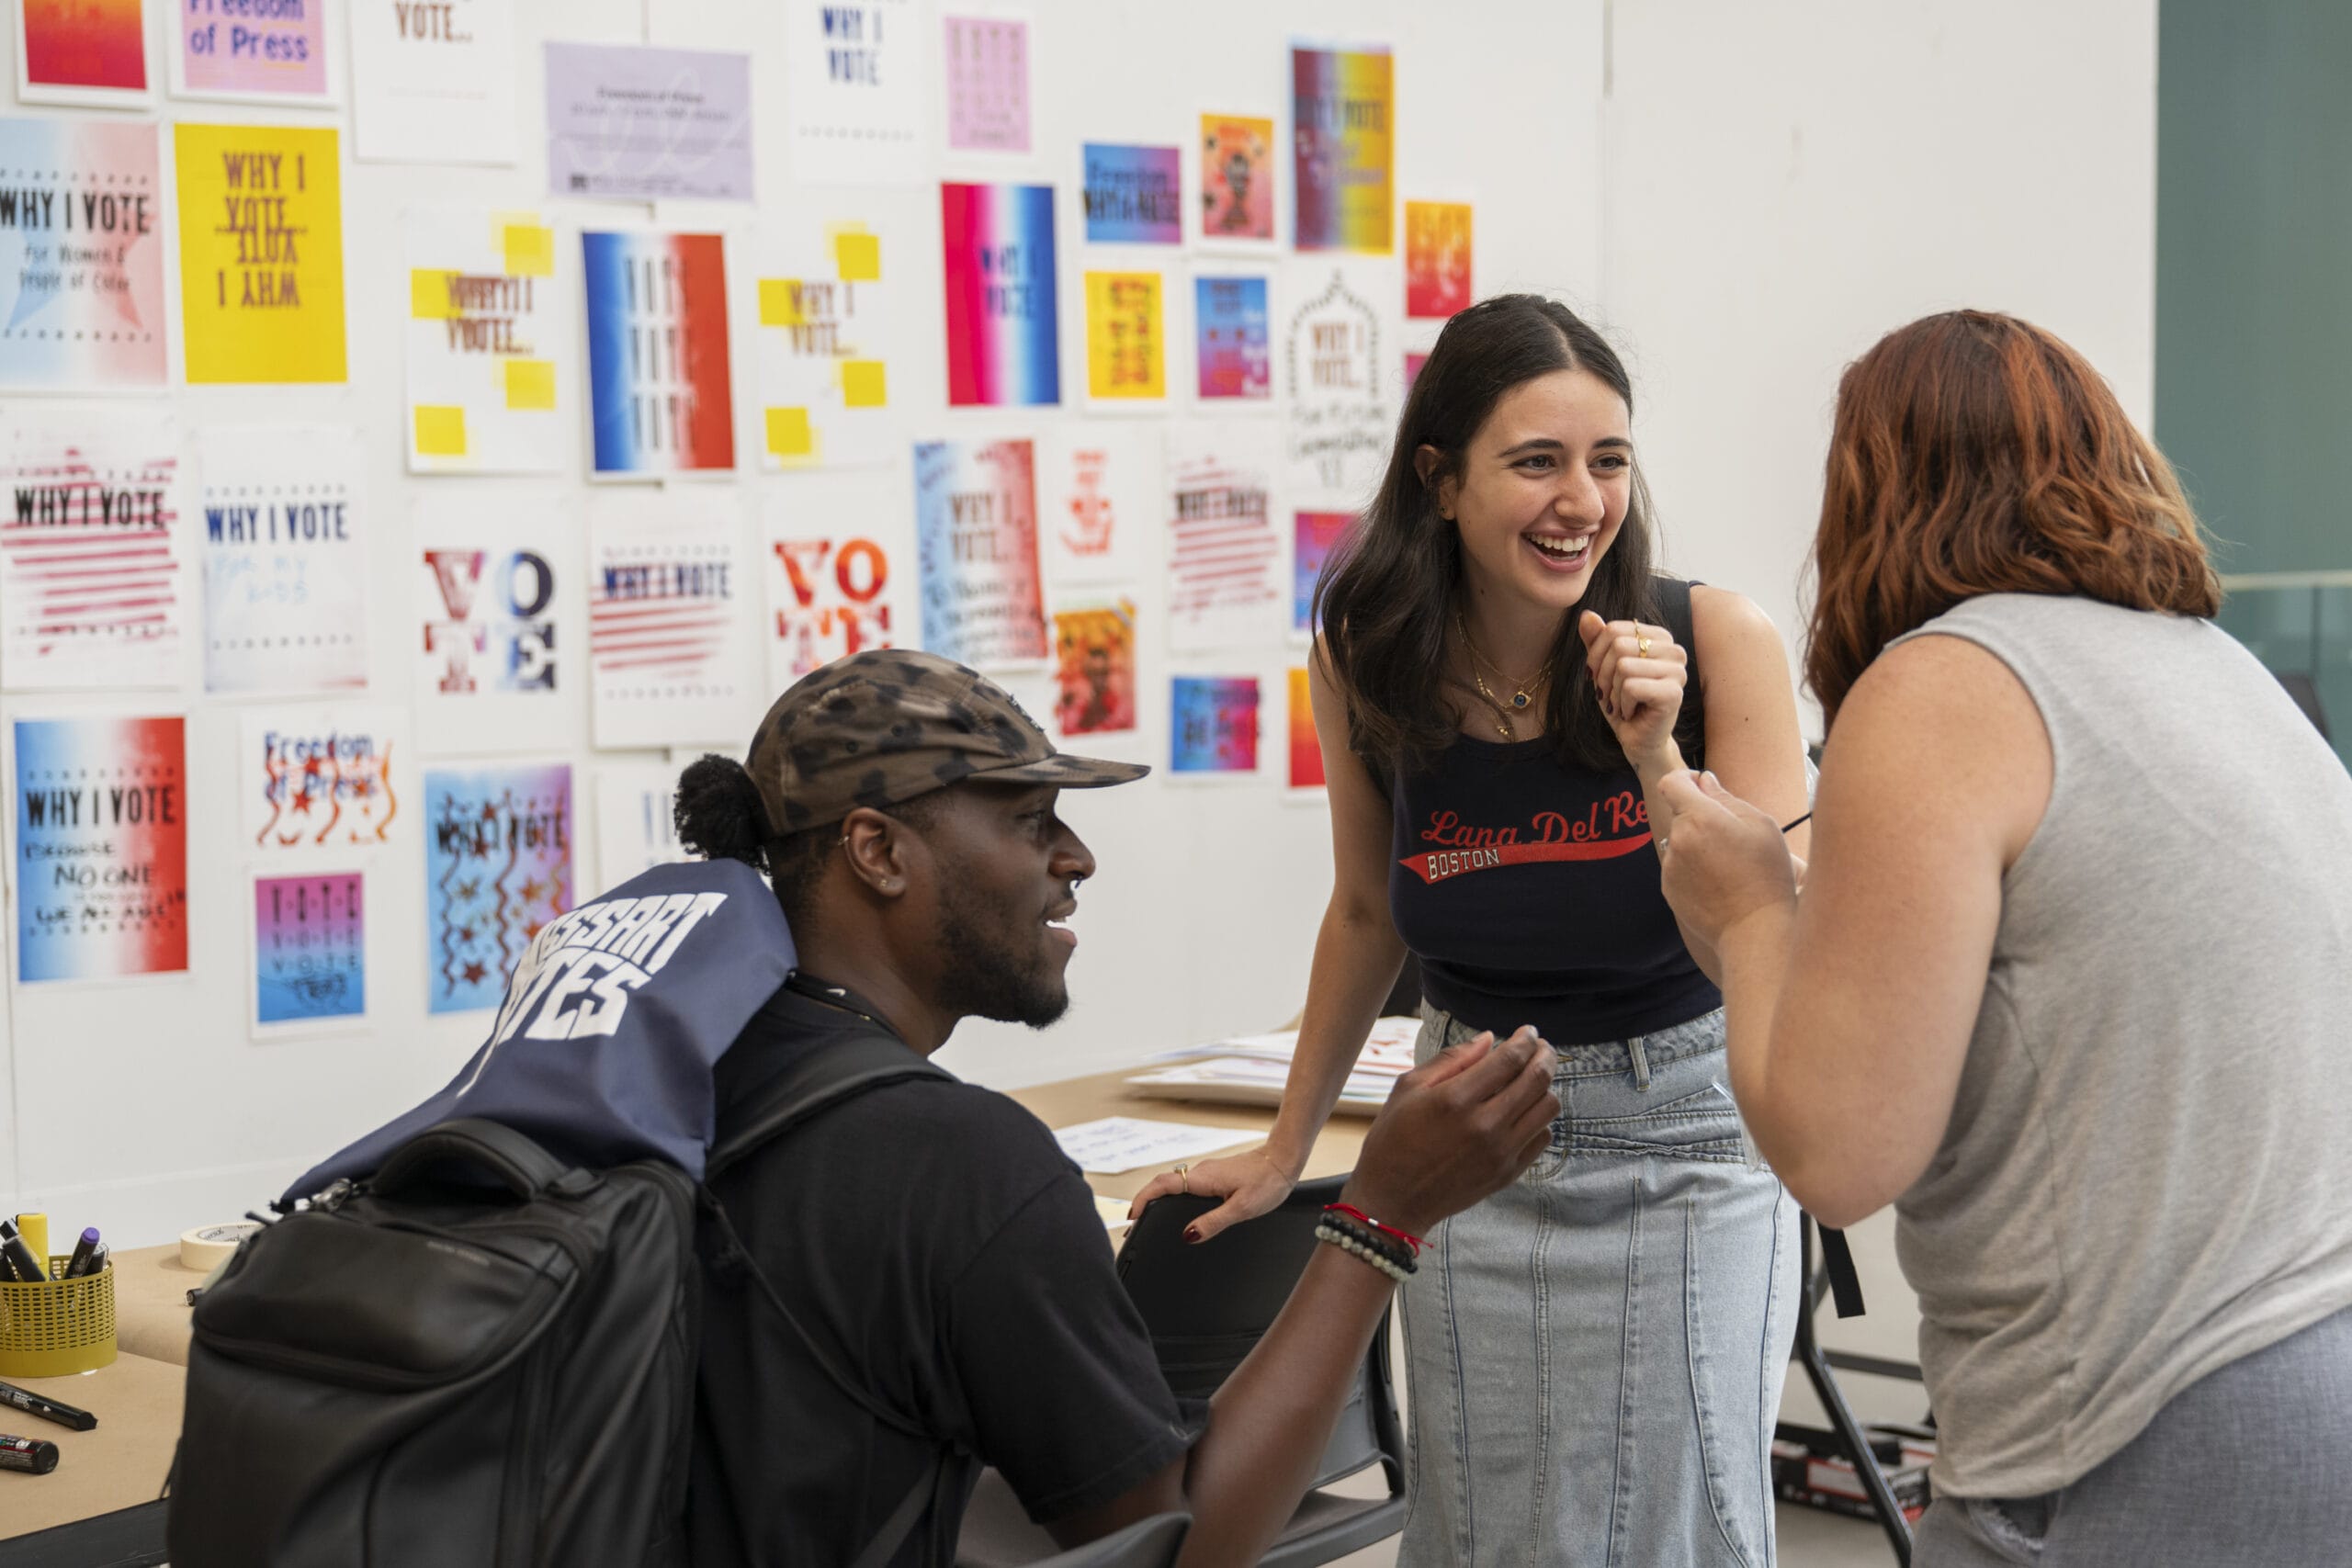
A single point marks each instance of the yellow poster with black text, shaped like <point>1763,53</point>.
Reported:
<point>261,253</point>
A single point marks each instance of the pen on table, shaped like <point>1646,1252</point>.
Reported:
<point>48,1409</point>
<point>28,1454</point>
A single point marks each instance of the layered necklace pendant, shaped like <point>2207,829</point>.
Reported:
<point>1522,692</point>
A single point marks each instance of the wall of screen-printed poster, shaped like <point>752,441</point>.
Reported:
<point>408,461</point>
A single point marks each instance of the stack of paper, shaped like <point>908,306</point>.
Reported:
<point>1250,1069</point>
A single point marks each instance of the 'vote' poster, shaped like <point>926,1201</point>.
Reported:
<point>853,92</point>
<point>433,81</point>
<point>976,545</point>
<point>285,559</point>
<point>101,848</point>
<point>1003,342</point>
<point>489,387</point>
<point>497,867</point>
<point>261,253</point>
<point>81,255</point>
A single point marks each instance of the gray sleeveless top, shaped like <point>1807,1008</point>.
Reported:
<point>2148,1170</point>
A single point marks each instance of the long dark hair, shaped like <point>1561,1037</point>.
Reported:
<point>1386,596</point>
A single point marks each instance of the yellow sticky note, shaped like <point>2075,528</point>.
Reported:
<point>780,302</point>
<point>863,385</point>
<point>530,250</point>
<point>789,432</point>
<point>530,383</point>
<point>428,295</point>
<point>859,257</point>
<point>440,431</point>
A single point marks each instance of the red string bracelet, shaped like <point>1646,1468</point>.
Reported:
<point>1358,1214</point>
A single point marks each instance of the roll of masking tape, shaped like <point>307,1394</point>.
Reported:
<point>206,1247</point>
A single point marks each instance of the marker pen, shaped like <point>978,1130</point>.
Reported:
<point>84,1255</point>
<point>28,1454</point>
<point>48,1409</point>
<point>20,1256</point>
<point>34,1228</point>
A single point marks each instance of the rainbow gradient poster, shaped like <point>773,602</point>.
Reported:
<point>101,848</point>
<point>310,952</point>
<point>497,867</point>
<point>1003,346</point>
<point>659,391</point>
<point>1342,114</point>
<point>81,254</point>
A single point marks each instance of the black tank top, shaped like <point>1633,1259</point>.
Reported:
<point>1528,890</point>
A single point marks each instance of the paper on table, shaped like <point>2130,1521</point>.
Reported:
<point>1112,1212</point>
<point>1116,1144</point>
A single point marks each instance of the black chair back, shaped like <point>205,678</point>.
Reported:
<point>1208,1306</point>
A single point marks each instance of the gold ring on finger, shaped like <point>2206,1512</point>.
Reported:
<point>1642,644</point>
<point>1185,1178</point>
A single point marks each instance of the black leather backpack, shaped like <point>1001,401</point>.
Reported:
<point>478,1354</point>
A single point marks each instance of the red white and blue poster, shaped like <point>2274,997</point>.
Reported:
<point>92,591</point>
<point>976,551</point>
<point>497,867</point>
<point>81,254</point>
<point>661,395</point>
<point>332,778</point>
<point>669,623</point>
<point>1003,340</point>
<point>101,819</point>
<point>310,953</point>
<point>499,664</point>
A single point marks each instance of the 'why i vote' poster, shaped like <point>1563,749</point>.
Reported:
<point>1003,347</point>
<point>261,253</point>
<point>81,255</point>
<point>101,848</point>
<point>285,559</point>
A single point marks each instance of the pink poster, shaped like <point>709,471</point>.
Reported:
<point>236,49</point>
<point>987,85</point>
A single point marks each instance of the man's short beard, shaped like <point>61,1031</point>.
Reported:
<point>981,977</point>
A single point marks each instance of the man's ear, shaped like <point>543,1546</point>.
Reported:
<point>879,849</point>
<point>1428,461</point>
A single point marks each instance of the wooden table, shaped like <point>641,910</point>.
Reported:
<point>120,1462</point>
<point>1072,1100</point>
<point>151,1309</point>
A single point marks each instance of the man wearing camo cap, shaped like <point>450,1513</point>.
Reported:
<point>952,1302</point>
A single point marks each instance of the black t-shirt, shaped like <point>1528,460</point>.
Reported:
<point>936,1238</point>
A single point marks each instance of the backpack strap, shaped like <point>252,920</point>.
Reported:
<point>823,1079</point>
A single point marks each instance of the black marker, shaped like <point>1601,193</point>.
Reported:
<point>80,1263</point>
<point>20,1256</point>
<point>32,1404</point>
<point>27,1454</point>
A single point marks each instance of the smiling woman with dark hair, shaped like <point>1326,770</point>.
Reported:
<point>2067,983</point>
<point>1595,1352</point>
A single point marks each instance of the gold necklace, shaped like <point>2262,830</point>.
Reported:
<point>1522,692</point>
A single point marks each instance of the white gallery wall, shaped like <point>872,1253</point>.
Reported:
<point>1744,197</point>
<point>146,1106</point>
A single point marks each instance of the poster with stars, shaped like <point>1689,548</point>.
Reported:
<point>310,953</point>
<point>81,255</point>
<point>321,778</point>
<point>285,559</point>
<point>669,626</point>
<point>497,867</point>
<point>101,848</point>
<point>92,582</point>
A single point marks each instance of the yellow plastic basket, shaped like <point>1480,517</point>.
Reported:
<point>57,1327</point>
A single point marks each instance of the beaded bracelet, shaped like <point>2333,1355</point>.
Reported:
<point>1354,1248</point>
<point>1364,1235</point>
<point>1357,1214</point>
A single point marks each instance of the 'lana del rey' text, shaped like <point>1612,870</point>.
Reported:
<point>1616,826</point>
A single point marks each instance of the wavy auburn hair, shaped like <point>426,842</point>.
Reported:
<point>1974,453</point>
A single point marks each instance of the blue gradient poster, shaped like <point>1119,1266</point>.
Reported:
<point>497,867</point>
<point>1134,196</point>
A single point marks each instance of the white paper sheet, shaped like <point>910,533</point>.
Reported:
<point>1116,1144</point>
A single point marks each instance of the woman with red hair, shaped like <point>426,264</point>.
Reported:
<point>2068,980</point>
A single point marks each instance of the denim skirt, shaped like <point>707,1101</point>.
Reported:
<point>1594,1355</point>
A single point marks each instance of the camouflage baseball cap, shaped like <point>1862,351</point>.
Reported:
<point>882,727</point>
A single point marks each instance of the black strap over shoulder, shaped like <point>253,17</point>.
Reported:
<point>1671,596</point>
<point>824,1077</point>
